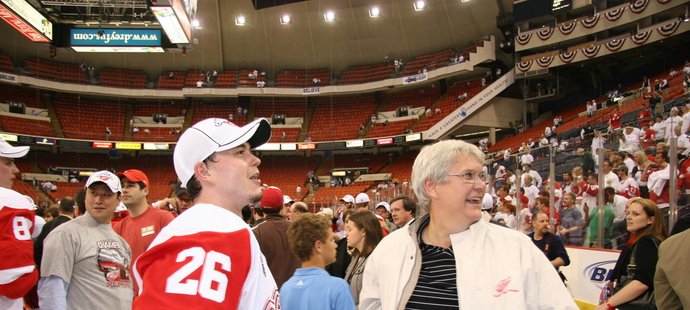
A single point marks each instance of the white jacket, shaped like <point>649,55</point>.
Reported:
<point>497,268</point>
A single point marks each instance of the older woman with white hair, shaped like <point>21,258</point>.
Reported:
<point>452,255</point>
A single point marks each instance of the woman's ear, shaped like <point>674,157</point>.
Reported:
<point>430,188</point>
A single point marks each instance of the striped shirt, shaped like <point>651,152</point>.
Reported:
<point>436,287</point>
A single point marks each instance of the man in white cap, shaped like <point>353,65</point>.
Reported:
<point>85,262</point>
<point>208,258</point>
<point>383,209</point>
<point>287,202</point>
<point>362,202</point>
<point>16,265</point>
<point>344,204</point>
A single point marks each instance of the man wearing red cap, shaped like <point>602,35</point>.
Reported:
<point>272,237</point>
<point>144,221</point>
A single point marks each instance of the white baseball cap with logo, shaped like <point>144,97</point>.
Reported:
<point>9,151</point>
<point>106,177</point>
<point>384,205</point>
<point>214,135</point>
<point>348,198</point>
<point>361,198</point>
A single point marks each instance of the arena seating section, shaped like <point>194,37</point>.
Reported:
<point>203,111</point>
<point>31,97</point>
<point>245,81</point>
<point>303,78</point>
<point>226,79</point>
<point>428,61</point>
<point>176,82</point>
<point>449,102</point>
<point>126,78</point>
<point>415,98</point>
<point>335,117</point>
<point>366,73</point>
<point>88,118</point>
<point>287,172</point>
<point>57,71</point>
<point>6,64</point>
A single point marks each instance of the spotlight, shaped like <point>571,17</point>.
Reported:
<point>195,23</point>
<point>240,20</point>
<point>374,12</point>
<point>419,5</point>
<point>285,19</point>
<point>329,16</point>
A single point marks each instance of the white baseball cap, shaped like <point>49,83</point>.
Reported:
<point>348,198</point>
<point>385,205</point>
<point>9,151</point>
<point>214,135</point>
<point>106,177</point>
<point>361,198</point>
<point>287,199</point>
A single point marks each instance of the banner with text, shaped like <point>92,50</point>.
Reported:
<point>115,37</point>
<point>587,271</point>
<point>415,78</point>
<point>460,114</point>
<point>25,19</point>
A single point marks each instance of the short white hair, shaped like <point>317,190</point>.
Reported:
<point>433,163</point>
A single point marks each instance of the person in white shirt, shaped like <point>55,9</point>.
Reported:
<point>672,121</point>
<point>531,191</point>
<point>659,127</point>
<point>447,180</point>
<point>682,141</point>
<point>506,154</point>
<point>686,118</point>
<point>527,158</point>
<point>630,140</point>
<point>627,187</point>
<point>597,142</point>
<point>610,177</point>
<point>527,170</point>
<point>591,107</point>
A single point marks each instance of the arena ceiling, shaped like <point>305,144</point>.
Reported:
<point>307,42</point>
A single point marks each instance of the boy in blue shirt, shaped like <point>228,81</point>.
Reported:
<point>311,239</point>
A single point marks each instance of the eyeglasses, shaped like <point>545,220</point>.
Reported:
<point>470,176</point>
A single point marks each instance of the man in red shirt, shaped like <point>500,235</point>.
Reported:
<point>17,219</point>
<point>615,121</point>
<point>144,221</point>
<point>644,117</point>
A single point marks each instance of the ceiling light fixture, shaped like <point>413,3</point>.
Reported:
<point>329,16</point>
<point>285,19</point>
<point>464,0</point>
<point>195,23</point>
<point>240,21</point>
<point>419,5</point>
<point>374,12</point>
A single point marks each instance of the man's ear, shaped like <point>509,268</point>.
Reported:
<point>201,171</point>
<point>318,247</point>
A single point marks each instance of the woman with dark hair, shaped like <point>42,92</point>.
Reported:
<point>363,234</point>
<point>634,272</point>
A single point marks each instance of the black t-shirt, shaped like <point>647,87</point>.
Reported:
<point>555,247</point>
<point>646,256</point>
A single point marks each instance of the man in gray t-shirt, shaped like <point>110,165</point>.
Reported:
<point>85,263</point>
